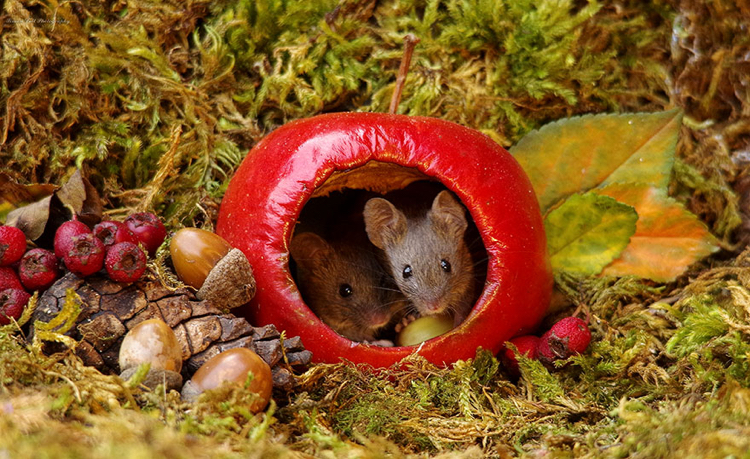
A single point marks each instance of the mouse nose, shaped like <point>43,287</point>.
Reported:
<point>433,307</point>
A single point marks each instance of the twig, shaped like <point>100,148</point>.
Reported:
<point>410,41</point>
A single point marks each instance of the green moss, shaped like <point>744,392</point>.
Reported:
<point>713,336</point>
<point>226,73</point>
<point>710,428</point>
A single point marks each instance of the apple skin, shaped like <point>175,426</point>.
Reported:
<point>267,193</point>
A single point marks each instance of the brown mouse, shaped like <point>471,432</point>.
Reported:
<point>425,252</point>
<point>345,286</point>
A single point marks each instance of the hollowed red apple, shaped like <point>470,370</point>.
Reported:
<point>380,152</point>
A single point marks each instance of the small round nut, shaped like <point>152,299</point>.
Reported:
<point>151,341</point>
<point>195,252</point>
<point>205,261</point>
<point>233,367</point>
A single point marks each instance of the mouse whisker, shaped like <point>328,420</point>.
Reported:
<point>387,289</point>
<point>482,260</point>
<point>473,242</point>
<point>400,308</point>
<point>403,304</point>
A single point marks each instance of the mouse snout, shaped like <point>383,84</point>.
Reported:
<point>431,307</point>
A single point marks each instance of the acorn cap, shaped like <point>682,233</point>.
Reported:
<point>230,283</point>
<point>190,391</point>
<point>170,379</point>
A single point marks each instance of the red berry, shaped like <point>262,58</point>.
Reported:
<point>125,262</point>
<point>38,269</point>
<point>12,245</point>
<point>111,232</point>
<point>570,336</point>
<point>9,278</point>
<point>544,352</point>
<point>527,345</point>
<point>86,255</point>
<point>64,236</point>
<point>149,230</point>
<point>12,302</point>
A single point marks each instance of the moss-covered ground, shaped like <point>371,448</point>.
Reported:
<point>159,101</point>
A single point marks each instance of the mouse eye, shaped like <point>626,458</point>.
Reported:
<point>407,272</point>
<point>445,264</point>
<point>345,290</point>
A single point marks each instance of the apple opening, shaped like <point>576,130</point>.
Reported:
<point>335,208</point>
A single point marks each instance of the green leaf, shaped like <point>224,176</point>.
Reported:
<point>587,232</point>
<point>576,154</point>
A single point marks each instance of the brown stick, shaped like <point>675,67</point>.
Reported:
<point>410,41</point>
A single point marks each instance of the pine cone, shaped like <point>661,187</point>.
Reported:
<point>109,309</point>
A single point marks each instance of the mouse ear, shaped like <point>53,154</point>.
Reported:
<point>448,215</point>
<point>306,248</point>
<point>385,225</point>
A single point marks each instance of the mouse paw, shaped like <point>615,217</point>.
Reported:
<point>381,342</point>
<point>406,320</point>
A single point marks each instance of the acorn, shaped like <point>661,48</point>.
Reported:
<point>152,341</point>
<point>206,262</point>
<point>233,367</point>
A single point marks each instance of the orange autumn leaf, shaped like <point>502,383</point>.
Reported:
<point>667,240</point>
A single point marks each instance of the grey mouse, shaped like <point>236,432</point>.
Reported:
<point>425,252</point>
<point>345,286</point>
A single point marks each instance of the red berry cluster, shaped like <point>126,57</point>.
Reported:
<point>114,246</point>
<point>568,337</point>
